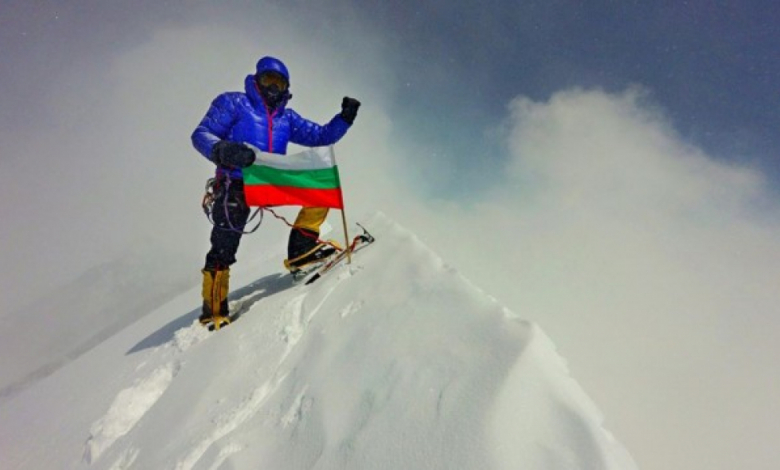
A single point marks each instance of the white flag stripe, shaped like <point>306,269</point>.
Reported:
<point>316,158</point>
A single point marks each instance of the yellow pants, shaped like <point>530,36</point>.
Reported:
<point>311,218</point>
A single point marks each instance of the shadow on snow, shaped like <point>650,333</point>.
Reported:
<point>241,301</point>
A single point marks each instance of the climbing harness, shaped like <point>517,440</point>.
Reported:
<point>213,193</point>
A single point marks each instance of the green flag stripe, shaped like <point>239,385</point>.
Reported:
<point>327,178</point>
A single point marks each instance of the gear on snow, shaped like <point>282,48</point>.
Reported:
<point>358,243</point>
<point>301,265</point>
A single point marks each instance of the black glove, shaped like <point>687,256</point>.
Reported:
<point>349,109</point>
<point>232,154</point>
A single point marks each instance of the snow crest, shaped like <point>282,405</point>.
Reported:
<point>392,362</point>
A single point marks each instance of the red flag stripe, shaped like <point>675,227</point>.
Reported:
<point>267,195</point>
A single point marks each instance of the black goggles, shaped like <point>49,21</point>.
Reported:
<point>272,78</point>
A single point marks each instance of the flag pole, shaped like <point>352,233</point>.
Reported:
<point>346,236</point>
<point>343,217</point>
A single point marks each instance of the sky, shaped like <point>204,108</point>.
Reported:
<point>608,171</point>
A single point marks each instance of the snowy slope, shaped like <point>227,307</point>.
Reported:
<point>73,319</point>
<point>394,362</point>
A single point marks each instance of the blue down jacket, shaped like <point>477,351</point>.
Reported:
<point>244,117</point>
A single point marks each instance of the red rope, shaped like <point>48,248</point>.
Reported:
<point>301,231</point>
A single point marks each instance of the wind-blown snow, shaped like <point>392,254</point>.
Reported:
<point>393,362</point>
<point>128,407</point>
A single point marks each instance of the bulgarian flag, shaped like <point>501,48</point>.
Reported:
<point>309,179</point>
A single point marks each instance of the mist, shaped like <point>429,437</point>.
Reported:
<point>651,264</point>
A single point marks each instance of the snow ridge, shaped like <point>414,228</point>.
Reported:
<point>392,362</point>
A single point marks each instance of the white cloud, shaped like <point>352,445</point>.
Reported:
<point>648,262</point>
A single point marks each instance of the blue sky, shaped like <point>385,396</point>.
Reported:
<point>713,66</point>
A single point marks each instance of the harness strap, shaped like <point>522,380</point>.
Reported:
<point>212,194</point>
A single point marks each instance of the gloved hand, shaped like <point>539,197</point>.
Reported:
<point>349,109</point>
<point>232,154</point>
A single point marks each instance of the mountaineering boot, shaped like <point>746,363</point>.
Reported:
<point>215,306</point>
<point>306,231</point>
<point>316,254</point>
<point>301,242</point>
<point>305,249</point>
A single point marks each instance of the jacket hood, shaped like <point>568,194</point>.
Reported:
<point>272,64</point>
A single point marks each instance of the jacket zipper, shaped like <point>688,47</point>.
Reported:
<point>270,117</point>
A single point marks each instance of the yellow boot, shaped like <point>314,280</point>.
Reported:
<point>215,306</point>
